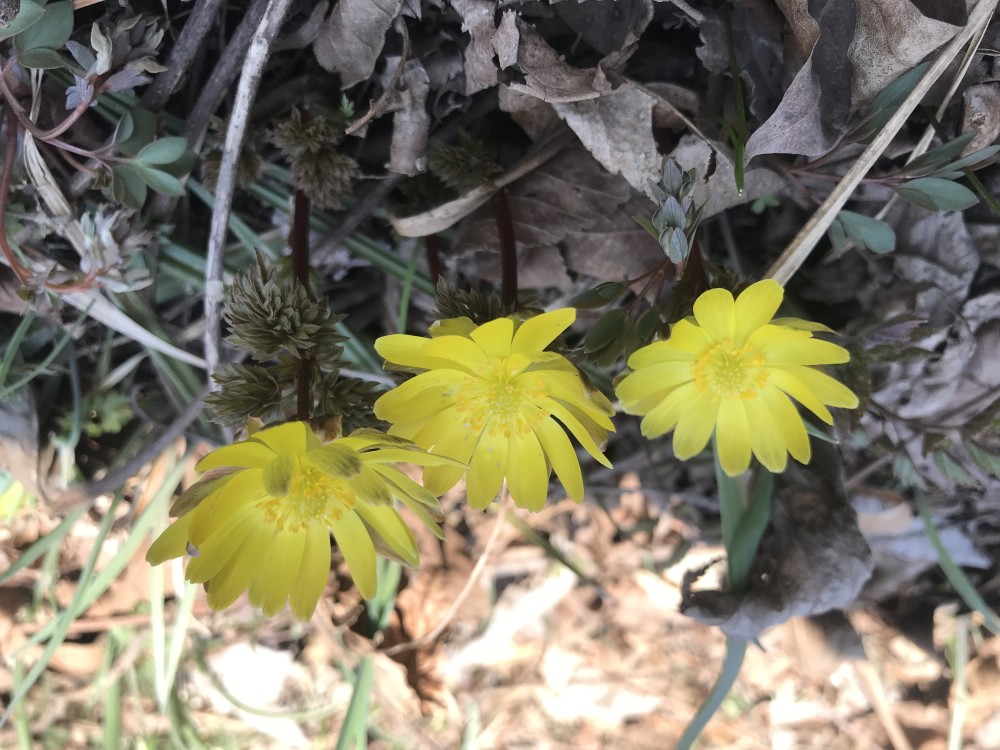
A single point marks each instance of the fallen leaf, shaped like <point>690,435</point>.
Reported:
<point>607,27</point>
<point>812,560</point>
<point>981,112</point>
<point>351,40</point>
<point>478,23</point>
<point>411,123</point>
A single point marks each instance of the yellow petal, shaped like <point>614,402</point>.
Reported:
<point>171,543</point>
<point>239,493</point>
<point>461,353</point>
<point>272,581</point>
<point>755,307</point>
<point>409,456</point>
<point>461,326</point>
<point>426,394</point>
<point>386,522</point>
<point>561,455</point>
<point>486,470</point>
<point>798,324</point>
<point>278,475</point>
<point>658,353</point>
<point>234,578</point>
<point>538,332</point>
<point>246,454</point>
<point>766,440</point>
<point>784,379</point>
<point>733,436</point>
<point>219,547</point>
<point>285,439</point>
<point>715,312</point>
<point>358,551</point>
<point>413,496</point>
<point>494,337</point>
<point>313,573</point>
<point>569,388</point>
<point>408,351</point>
<point>664,416</point>
<point>527,472</point>
<point>576,428</point>
<point>789,424</point>
<point>831,392</point>
<point>643,389</point>
<point>783,346</point>
<point>688,338</point>
<point>335,460</point>
<point>695,427</point>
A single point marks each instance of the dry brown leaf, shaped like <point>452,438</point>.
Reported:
<point>982,113</point>
<point>882,40</point>
<point>478,23</point>
<point>607,27</point>
<point>812,560</point>
<point>351,40</point>
<point>411,123</point>
<point>545,74</point>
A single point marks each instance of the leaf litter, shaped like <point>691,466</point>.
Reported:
<point>571,633</point>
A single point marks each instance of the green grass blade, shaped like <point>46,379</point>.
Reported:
<point>404,297</point>
<point>955,575</point>
<point>59,626</point>
<point>42,546</point>
<point>14,345</point>
<point>34,372</point>
<point>736,649</point>
<point>354,733</point>
<point>750,529</point>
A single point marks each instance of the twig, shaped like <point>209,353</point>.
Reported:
<point>253,69</point>
<point>186,48</point>
<point>220,82</point>
<point>85,494</point>
<point>798,250</point>
<point>874,690</point>
<point>382,104</point>
<point>459,600</point>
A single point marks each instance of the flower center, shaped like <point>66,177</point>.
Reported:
<point>724,372</point>
<point>313,498</point>
<point>502,401</point>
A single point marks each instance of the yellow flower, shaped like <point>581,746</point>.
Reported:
<point>490,398</point>
<point>270,503</point>
<point>732,369</point>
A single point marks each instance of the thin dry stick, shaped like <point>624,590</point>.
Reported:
<point>188,44</point>
<point>798,250</point>
<point>874,690</point>
<point>253,70</point>
<point>477,570</point>
<point>381,105</point>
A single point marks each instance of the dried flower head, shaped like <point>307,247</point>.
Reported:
<point>733,370</point>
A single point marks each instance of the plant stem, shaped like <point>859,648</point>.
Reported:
<point>299,240</point>
<point>508,248</point>
<point>434,268</point>
<point>8,165</point>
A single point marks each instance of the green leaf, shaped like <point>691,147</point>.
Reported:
<point>972,159</point>
<point>30,14</point>
<point>136,130</point>
<point>160,181</point>
<point>41,58</point>
<point>646,224</point>
<point>128,186</point>
<point>607,329</point>
<point>940,155</point>
<point>894,94</point>
<point>953,471</point>
<point>985,460</point>
<point>936,194</point>
<point>865,231</point>
<point>51,31</point>
<point>599,296</point>
<point>163,151</point>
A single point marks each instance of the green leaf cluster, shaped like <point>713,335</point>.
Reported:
<point>479,307</point>
<point>464,165</point>
<point>43,32</point>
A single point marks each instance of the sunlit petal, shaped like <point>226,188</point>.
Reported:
<point>733,437</point>
<point>527,472</point>
<point>695,427</point>
<point>755,307</point>
<point>486,470</point>
<point>538,332</point>
<point>715,312</point>
<point>358,551</point>
<point>561,455</point>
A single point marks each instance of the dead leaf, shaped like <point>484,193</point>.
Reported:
<point>618,130</point>
<point>351,40</point>
<point>411,123</point>
<point>607,27</point>
<point>882,40</point>
<point>982,113</point>
<point>478,23</point>
<point>541,71</point>
<point>812,560</point>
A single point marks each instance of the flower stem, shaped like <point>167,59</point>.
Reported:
<point>299,240</point>
<point>508,248</point>
<point>8,166</point>
<point>434,267</point>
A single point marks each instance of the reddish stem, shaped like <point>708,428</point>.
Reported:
<point>299,240</point>
<point>508,249</point>
<point>434,267</point>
